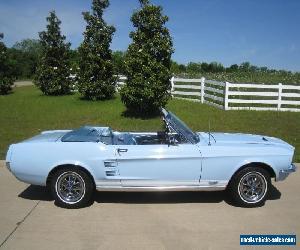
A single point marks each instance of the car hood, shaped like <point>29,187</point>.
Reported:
<point>239,138</point>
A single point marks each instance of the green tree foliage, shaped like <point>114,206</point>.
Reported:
<point>6,77</point>
<point>148,62</point>
<point>193,67</point>
<point>24,58</point>
<point>74,60</point>
<point>196,69</point>
<point>216,67</point>
<point>118,59</point>
<point>31,46</point>
<point>233,68</point>
<point>245,66</point>
<point>96,80</point>
<point>177,69</point>
<point>53,73</point>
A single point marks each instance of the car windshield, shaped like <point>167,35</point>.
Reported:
<point>180,127</point>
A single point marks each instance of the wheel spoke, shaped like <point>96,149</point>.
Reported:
<point>252,187</point>
<point>70,187</point>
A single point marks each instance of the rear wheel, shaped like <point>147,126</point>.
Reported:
<point>250,187</point>
<point>72,188</point>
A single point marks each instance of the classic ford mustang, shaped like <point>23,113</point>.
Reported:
<point>73,163</point>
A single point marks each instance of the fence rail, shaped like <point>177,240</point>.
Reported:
<point>235,96</point>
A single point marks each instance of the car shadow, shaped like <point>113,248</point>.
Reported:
<point>159,197</point>
<point>41,193</point>
<point>274,194</point>
<point>36,193</point>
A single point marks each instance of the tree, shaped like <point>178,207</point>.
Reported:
<point>233,68</point>
<point>263,69</point>
<point>182,68</point>
<point>53,72</point>
<point>175,68</point>
<point>74,60</point>
<point>6,78</point>
<point>96,80</point>
<point>216,67</point>
<point>205,67</point>
<point>245,66</point>
<point>178,69</point>
<point>193,68</point>
<point>148,62</point>
<point>118,58</point>
<point>24,58</point>
<point>31,46</point>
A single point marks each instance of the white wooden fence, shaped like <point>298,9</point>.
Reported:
<point>277,97</point>
<point>235,96</point>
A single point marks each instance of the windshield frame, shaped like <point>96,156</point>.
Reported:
<point>179,127</point>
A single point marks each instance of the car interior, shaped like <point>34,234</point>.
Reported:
<point>109,137</point>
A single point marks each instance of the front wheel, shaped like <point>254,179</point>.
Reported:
<point>250,187</point>
<point>71,188</point>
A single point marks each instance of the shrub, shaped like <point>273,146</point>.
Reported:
<point>53,72</point>
<point>96,80</point>
<point>6,79</point>
<point>148,62</point>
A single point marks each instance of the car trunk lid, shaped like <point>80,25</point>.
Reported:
<point>48,136</point>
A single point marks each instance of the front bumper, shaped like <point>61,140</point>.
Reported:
<point>284,173</point>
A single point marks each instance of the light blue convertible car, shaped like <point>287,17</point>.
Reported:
<point>75,163</point>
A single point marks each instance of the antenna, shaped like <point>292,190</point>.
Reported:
<point>209,132</point>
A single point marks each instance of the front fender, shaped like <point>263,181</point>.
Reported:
<point>272,164</point>
<point>257,162</point>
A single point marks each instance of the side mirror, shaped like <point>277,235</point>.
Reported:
<point>172,140</point>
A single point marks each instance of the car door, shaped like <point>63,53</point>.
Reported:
<point>159,165</point>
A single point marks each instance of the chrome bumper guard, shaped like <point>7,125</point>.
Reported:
<point>284,173</point>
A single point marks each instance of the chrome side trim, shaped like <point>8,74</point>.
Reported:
<point>160,188</point>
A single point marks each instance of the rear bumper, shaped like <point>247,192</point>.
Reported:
<point>7,164</point>
<point>284,173</point>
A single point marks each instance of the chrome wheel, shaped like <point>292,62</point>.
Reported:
<point>252,187</point>
<point>70,187</point>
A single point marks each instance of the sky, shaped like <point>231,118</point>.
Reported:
<point>263,32</point>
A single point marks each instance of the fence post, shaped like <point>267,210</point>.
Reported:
<point>279,96</point>
<point>202,89</point>
<point>172,84</point>
<point>226,95</point>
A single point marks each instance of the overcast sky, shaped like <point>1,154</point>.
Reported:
<point>264,32</point>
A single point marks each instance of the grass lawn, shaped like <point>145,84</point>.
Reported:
<point>27,112</point>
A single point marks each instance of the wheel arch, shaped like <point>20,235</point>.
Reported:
<point>263,165</point>
<point>56,168</point>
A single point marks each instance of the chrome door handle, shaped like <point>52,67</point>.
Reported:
<point>122,150</point>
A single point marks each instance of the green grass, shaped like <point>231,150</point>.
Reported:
<point>27,112</point>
